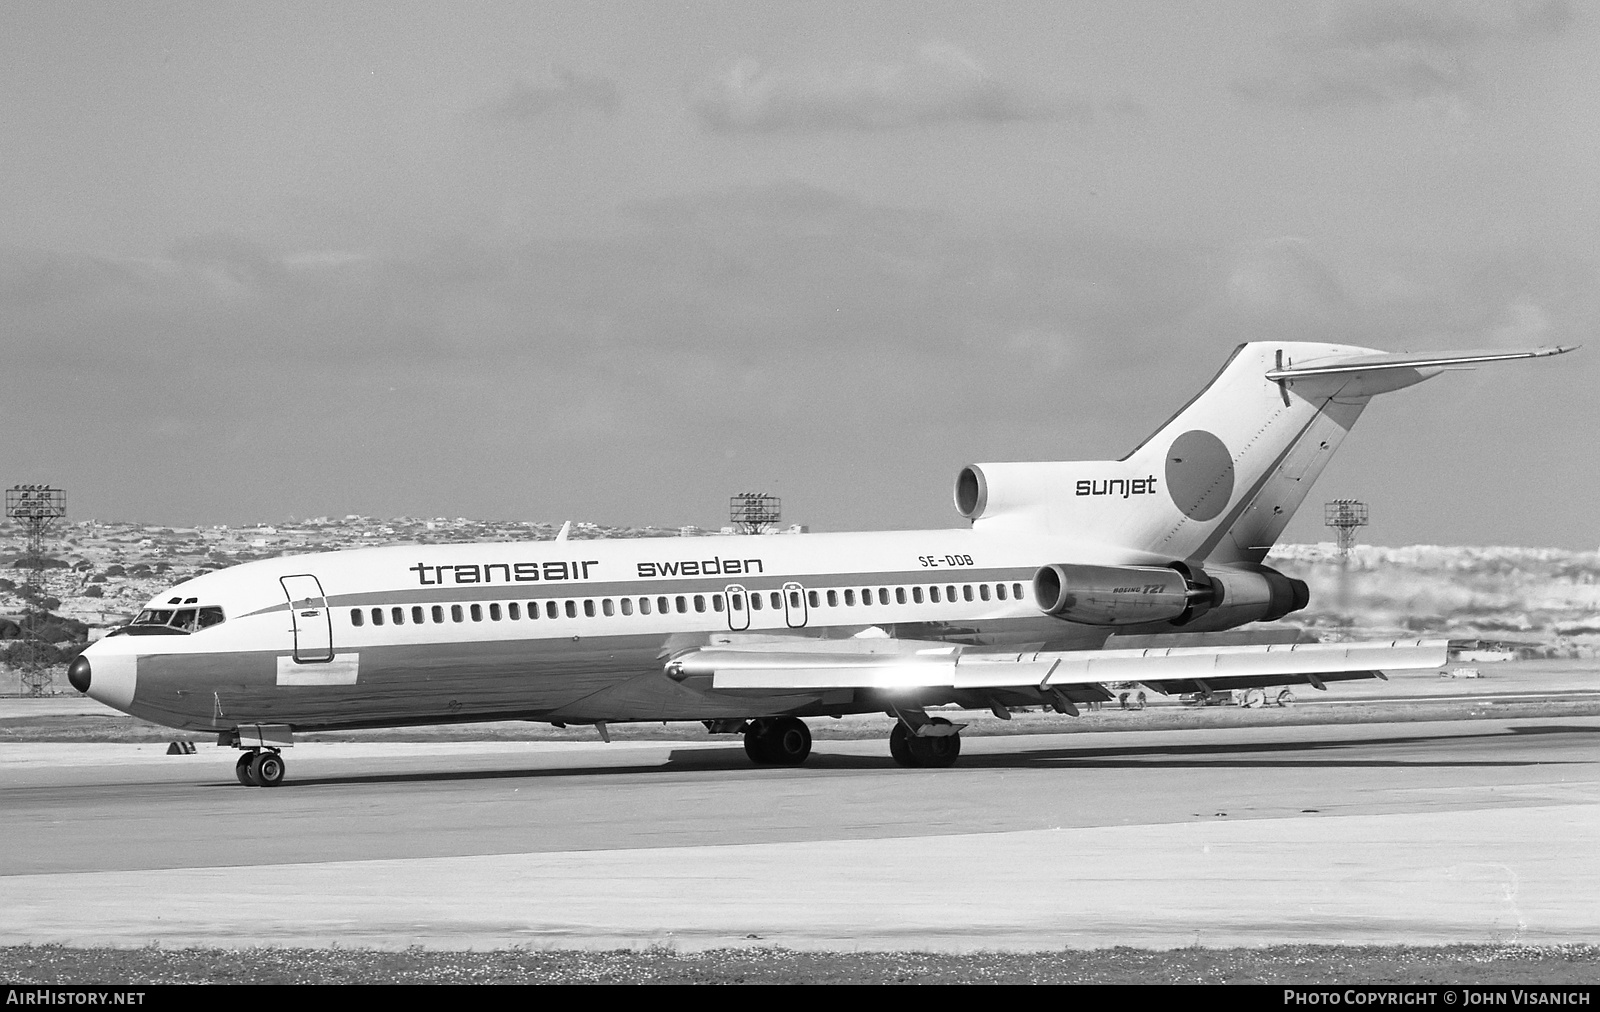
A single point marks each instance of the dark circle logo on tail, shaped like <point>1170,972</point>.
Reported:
<point>1199,475</point>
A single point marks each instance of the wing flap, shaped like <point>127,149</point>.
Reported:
<point>953,669</point>
<point>1208,663</point>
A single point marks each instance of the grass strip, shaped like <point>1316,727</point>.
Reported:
<point>1278,965</point>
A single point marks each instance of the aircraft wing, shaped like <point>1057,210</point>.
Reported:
<point>1408,360</point>
<point>909,665</point>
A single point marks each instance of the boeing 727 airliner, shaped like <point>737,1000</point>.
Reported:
<point>753,634</point>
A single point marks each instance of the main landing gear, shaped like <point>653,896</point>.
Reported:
<point>932,744</point>
<point>777,741</point>
<point>260,768</point>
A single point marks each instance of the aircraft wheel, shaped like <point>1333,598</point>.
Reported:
<point>780,741</point>
<point>936,752</point>
<point>241,769</point>
<point>788,741</point>
<point>266,769</point>
<point>1285,697</point>
<point>759,743</point>
<point>900,746</point>
<point>756,746</point>
<point>1137,703</point>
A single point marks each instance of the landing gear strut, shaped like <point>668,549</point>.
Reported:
<point>777,741</point>
<point>258,768</point>
<point>927,750</point>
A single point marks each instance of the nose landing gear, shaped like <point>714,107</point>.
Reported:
<point>261,764</point>
<point>258,768</point>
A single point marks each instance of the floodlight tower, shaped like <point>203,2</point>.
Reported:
<point>37,508</point>
<point>755,512</point>
<point>1346,516</point>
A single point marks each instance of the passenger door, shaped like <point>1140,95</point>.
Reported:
<point>313,625</point>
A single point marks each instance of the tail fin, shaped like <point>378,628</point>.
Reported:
<point>1222,478</point>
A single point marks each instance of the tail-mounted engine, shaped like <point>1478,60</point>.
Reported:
<point>1177,594</point>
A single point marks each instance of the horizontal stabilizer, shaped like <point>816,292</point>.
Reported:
<point>956,668</point>
<point>1409,360</point>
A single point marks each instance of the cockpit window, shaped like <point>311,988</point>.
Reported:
<point>180,620</point>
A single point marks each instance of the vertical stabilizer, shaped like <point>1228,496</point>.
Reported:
<point>1222,478</point>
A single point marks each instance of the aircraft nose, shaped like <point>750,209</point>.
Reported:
<point>107,672</point>
<point>78,673</point>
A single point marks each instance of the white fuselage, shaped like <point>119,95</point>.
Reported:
<point>561,630</point>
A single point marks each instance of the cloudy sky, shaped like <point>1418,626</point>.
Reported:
<point>615,262</point>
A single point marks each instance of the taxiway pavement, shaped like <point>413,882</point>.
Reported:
<point>1377,833</point>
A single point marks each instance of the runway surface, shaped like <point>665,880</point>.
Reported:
<point>1419,833</point>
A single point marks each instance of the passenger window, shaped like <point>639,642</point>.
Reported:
<point>399,615</point>
<point>683,606</point>
<point>983,591</point>
<point>950,594</point>
<point>716,603</point>
<point>416,614</point>
<point>833,599</point>
<point>815,600</point>
<point>662,606</point>
<point>455,613</point>
<point>572,609</point>
<point>1000,591</point>
<point>644,606</point>
<point>699,602</point>
<point>477,613</point>
<point>377,616</point>
<point>849,597</point>
<point>777,601</point>
<point>900,595</point>
<point>357,617</point>
<point>883,595</point>
<point>438,613</point>
<point>866,595</point>
<point>551,610</point>
<point>513,611</point>
<point>606,608</point>
<point>755,602</point>
<point>627,605</point>
<point>933,594</point>
<point>916,595</point>
<point>494,613</point>
<point>966,592</point>
<point>1016,591</point>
